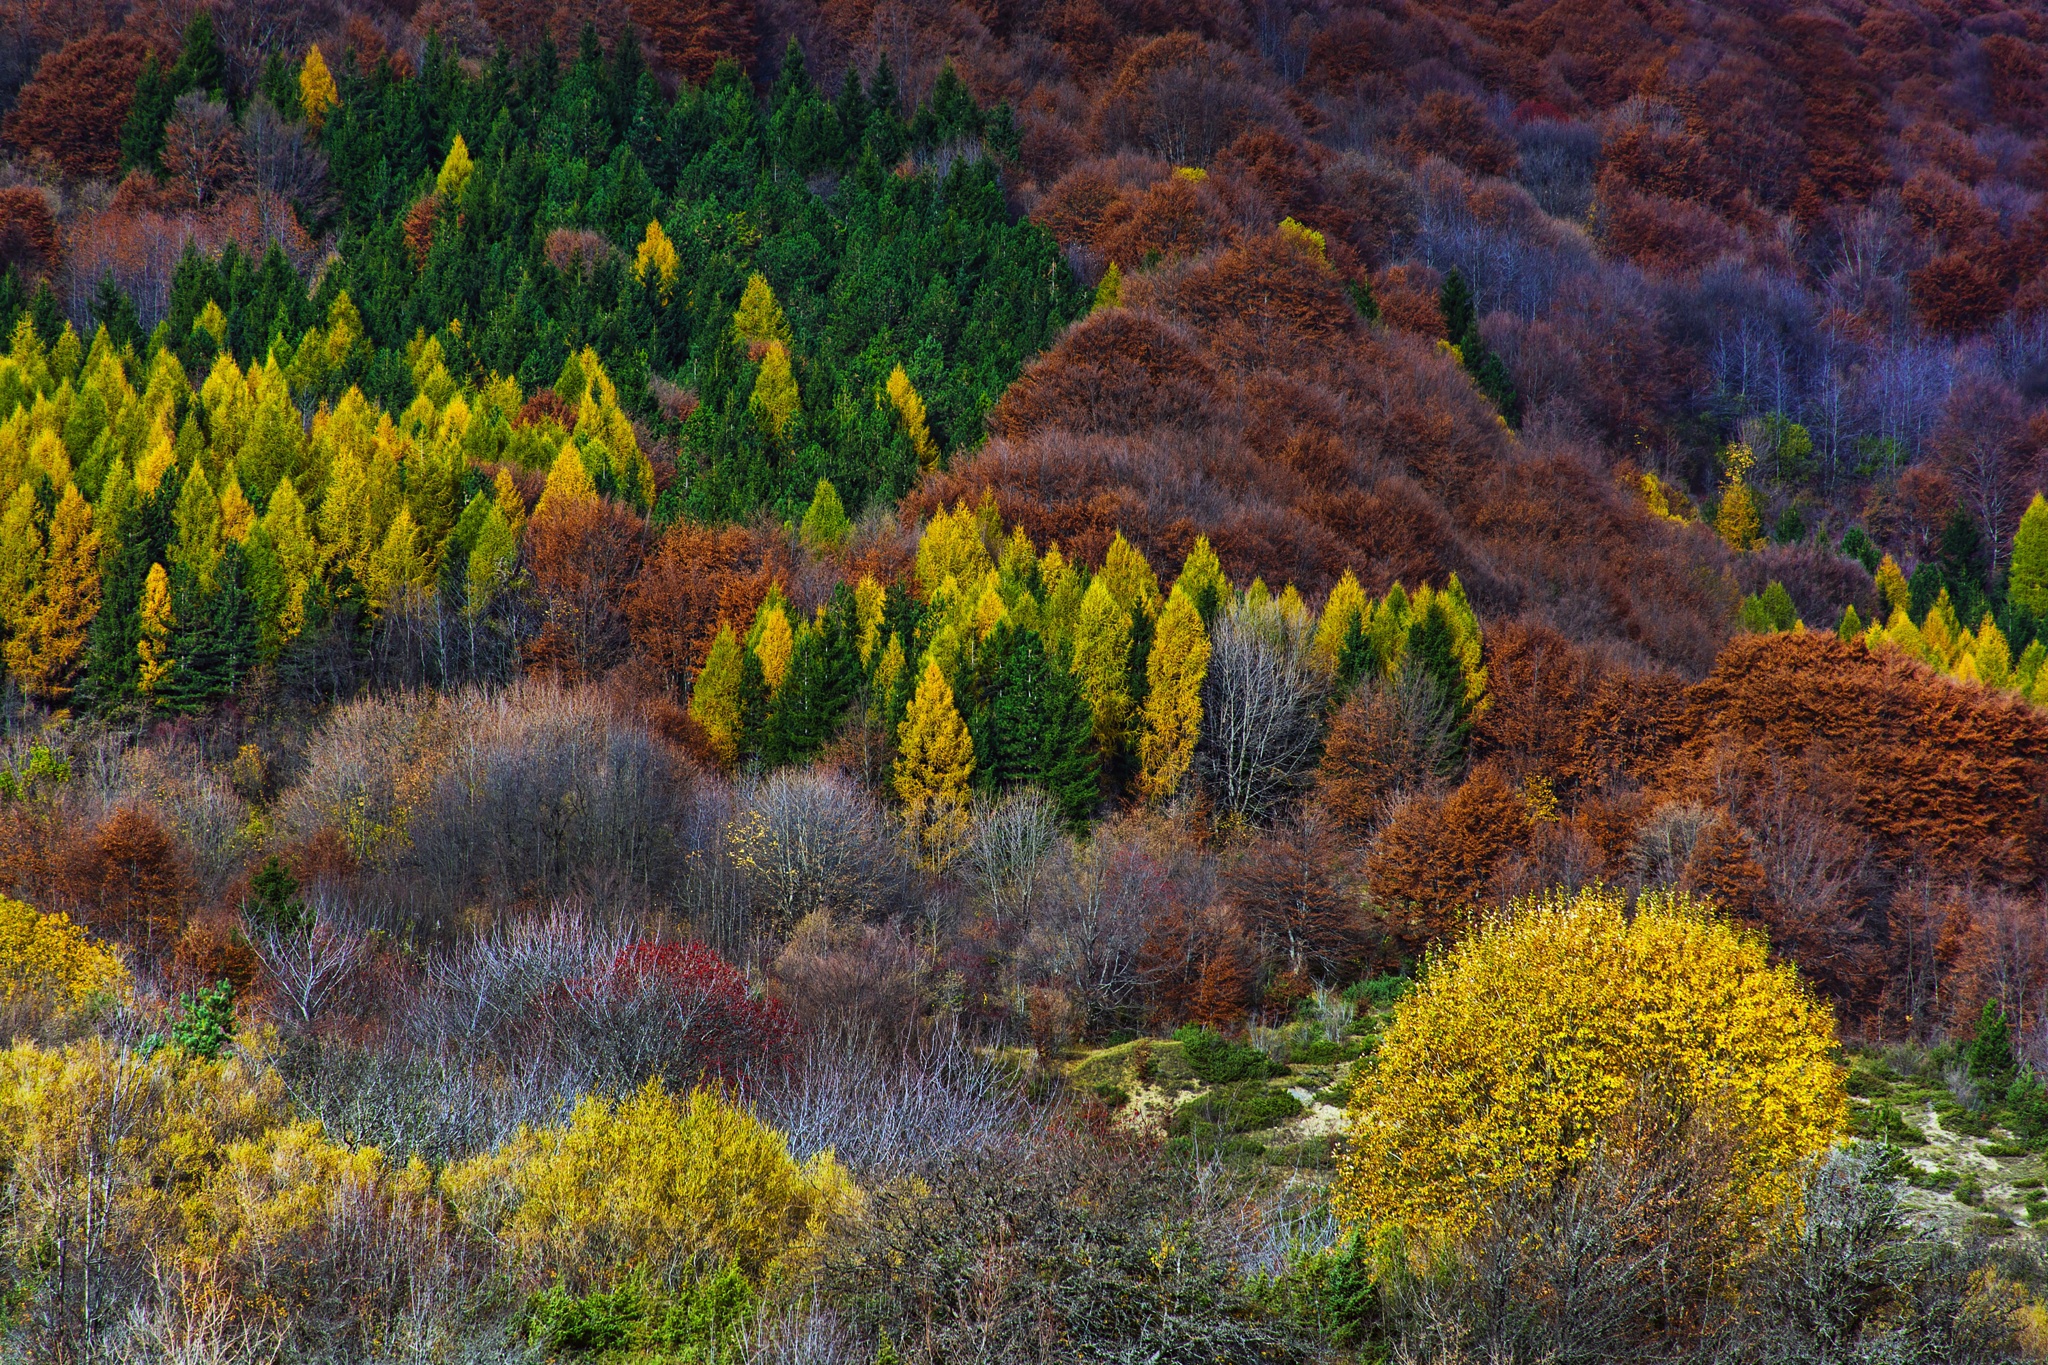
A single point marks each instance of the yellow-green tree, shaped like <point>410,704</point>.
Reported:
<point>951,547</point>
<point>397,568</point>
<point>910,411</point>
<point>1173,701</point>
<point>47,958</point>
<point>456,169</point>
<point>289,533</point>
<point>934,763</point>
<point>825,526</point>
<point>759,317</point>
<point>715,696</point>
<point>1203,580</point>
<point>21,557</point>
<point>1109,292</point>
<point>1738,520</point>
<point>775,400</point>
<point>1102,655</point>
<point>1128,576</point>
<point>569,483</point>
<point>656,259</point>
<point>153,649</point>
<point>45,651</point>
<point>317,91</point>
<point>653,1181</point>
<point>773,640</point>
<point>1523,1050</point>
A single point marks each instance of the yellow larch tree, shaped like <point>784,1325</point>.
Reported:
<point>910,411</point>
<point>656,260</point>
<point>759,318</point>
<point>1174,671</point>
<point>715,695</point>
<point>153,649</point>
<point>456,169</point>
<point>317,91</point>
<point>775,399</point>
<point>569,483</point>
<point>934,763</point>
<point>1102,655</point>
<point>45,652</point>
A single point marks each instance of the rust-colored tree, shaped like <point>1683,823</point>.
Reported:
<point>692,35</point>
<point>584,557</point>
<point>1438,857</point>
<point>28,231</point>
<point>128,881</point>
<point>75,106</point>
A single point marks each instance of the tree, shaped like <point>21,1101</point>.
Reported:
<point>1109,292</point>
<point>76,105</point>
<point>825,527</point>
<point>1174,670</point>
<point>1982,444</point>
<point>47,652</point>
<point>569,484</point>
<point>910,411</point>
<point>48,959</point>
<point>157,624</point>
<point>1738,520</point>
<point>1990,1056</point>
<point>1031,724</point>
<point>456,168</point>
<point>1531,1046</point>
<point>759,318</point>
<point>317,91</point>
<point>693,36</point>
<point>2027,577</point>
<point>715,695</point>
<point>1102,649</point>
<point>202,149</point>
<point>655,262</point>
<point>934,764</point>
<point>775,400</point>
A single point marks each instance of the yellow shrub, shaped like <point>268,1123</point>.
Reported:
<point>49,957</point>
<point>655,1180</point>
<point>1527,1042</point>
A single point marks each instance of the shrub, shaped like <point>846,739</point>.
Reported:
<point>1524,1050</point>
<point>702,1319</point>
<point>659,1181</point>
<point>47,961</point>
<point>1218,1061</point>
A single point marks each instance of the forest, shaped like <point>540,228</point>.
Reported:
<point>918,682</point>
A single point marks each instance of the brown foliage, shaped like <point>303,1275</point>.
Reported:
<point>1956,293</point>
<point>1118,371</point>
<point>1439,856</point>
<point>28,231</point>
<point>584,558</point>
<point>691,35</point>
<point>128,881</point>
<point>75,106</point>
<point>1455,128</point>
<point>1930,770</point>
<point>419,228</point>
<point>577,249</point>
<point>209,952</point>
<point>203,154</point>
<point>1289,891</point>
<point>696,578</point>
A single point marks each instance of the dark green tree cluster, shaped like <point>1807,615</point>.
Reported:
<point>1461,326</point>
<point>886,240</point>
<point>200,66</point>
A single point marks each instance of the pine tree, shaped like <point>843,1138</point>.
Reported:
<point>569,483</point>
<point>825,526</point>
<point>397,567</point>
<point>2027,575</point>
<point>154,649</point>
<point>317,91</point>
<point>1175,668</point>
<point>934,765</point>
<point>775,400</point>
<point>1990,1055</point>
<point>754,700</point>
<point>1203,580</point>
<point>818,688</point>
<point>1433,651</point>
<point>715,695</point>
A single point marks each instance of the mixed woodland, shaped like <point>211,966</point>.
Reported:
<point>1110,680</point>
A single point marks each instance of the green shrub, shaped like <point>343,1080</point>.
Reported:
<point>1884,1123</point>
<point>1115,1096</point>
<point>700,1322</point>
<point>1377,992</point>
<point>1242,1108</point>
<point>1217,1060</point>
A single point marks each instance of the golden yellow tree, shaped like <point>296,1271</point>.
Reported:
<point>910,411</point>
<point>774,641</point>
<point>1738,520</point>
<point>569,482</point>
<point>317,91</point>
<point>1173,701</point>
<point>934,763</point>
<point>715,695</point>
<point>154,648</point>
<point>1520,1051</point>
<point>760,317</point>
<point>50,959</point>
<point>45,651</point>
